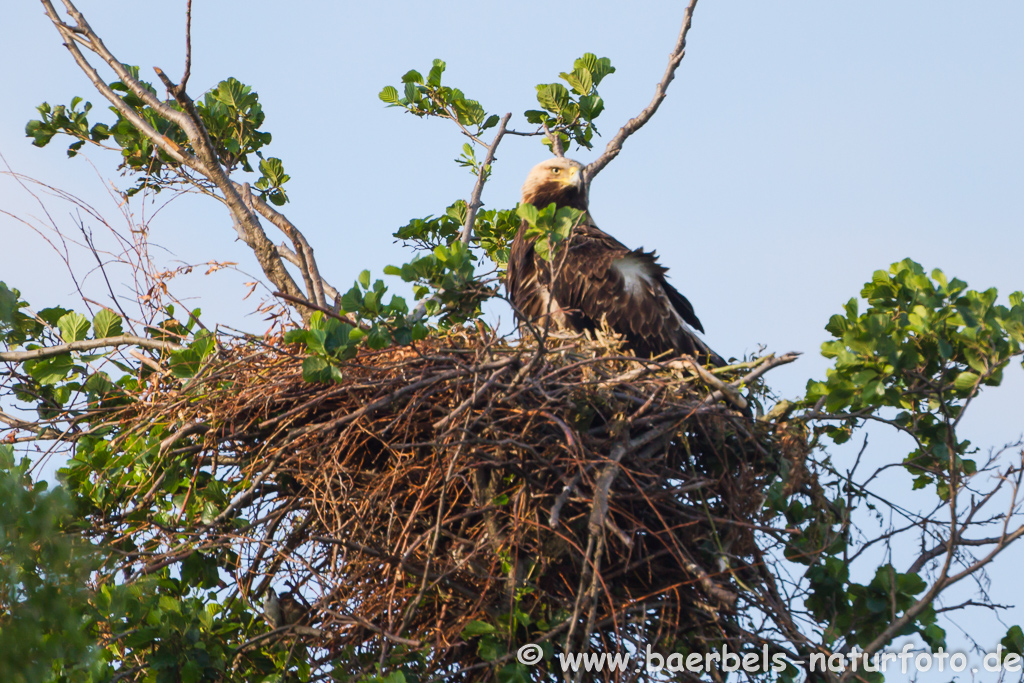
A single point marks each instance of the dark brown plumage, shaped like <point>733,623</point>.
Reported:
<point>597,277</point>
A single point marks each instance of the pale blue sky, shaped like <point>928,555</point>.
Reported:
<point>803,145</point>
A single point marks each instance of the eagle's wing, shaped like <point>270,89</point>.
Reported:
<point>597,276</point>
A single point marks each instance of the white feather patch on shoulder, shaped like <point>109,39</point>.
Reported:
<point>634,275</point>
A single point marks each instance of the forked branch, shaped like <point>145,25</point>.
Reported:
<point>205,161</point>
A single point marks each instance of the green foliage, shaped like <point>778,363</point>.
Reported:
<point>924,348</point>
<point>43,572</point>
<point>468,160</point>
<point>424,234</point>
<point>55,382</point>
<point>509,631</point>
<point>445,279</point>
<point>914,359</point>
<point>66,610</point>
<point>231,113</point>
<point>16,326</point>
<point>551,226</point>
<point>430,98</point>
<point>859,613</point>
<point>106,323</point>
<point>73,327</point>
<point>330,341</point>
<point>51,382</point>
<point>187,362</point>
<point>495,229</point>
<point>69,120</point>
<point>571,112</point>
<point>444,276</point>
<point>1013,641</point>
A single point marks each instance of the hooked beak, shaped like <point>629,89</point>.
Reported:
<point>575,177</point>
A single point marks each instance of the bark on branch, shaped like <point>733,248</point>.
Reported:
<point>205,161</point>
<point>634,124</point>
<point>86,345</point>
<point>474,201</point>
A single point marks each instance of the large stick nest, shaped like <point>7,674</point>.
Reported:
<point>570,495</point>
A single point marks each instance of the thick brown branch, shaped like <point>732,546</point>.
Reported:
<point>556,142</point>
<point>68,33</point>
<point>205,162</point>
<point>265,251</point>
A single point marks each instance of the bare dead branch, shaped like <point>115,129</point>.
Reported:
<point>634,124</point>
<point>474,201</point>
<point>188,47</point>
<point>87,344</point>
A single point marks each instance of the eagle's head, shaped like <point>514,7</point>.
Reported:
<point>557,180</point>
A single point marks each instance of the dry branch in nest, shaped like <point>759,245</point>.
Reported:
<point>572,495</point>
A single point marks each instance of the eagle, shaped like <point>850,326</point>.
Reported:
<point>593,277</point>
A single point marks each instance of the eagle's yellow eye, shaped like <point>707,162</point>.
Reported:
<point>556,170</point>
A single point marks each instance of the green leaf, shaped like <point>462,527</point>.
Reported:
<point>591,107</point>
<point>315,369</point>
<point>352,300</point>
<point>73,327</point>
<point>8,305</point>
<point>434,78</point>
<point>965,381</point>
<point>106,324</point>
<point>514,672</point>
<point>490,648</point>
<point>552,96</point>
<point>1013,641</point>
<point>469,112</point>
<point>364,279</point>
<point>412,93</point>
<point>49,371</point>
<point>389,94</point>
<point>234,94</point>
<point>477,628</point>
<point>185,364</point>
<point>457,212</point>
<point>580,80</point>
<point>377,338</point>
<point>836,325</point>
<point>412,76</point>
<point>529,213</point>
